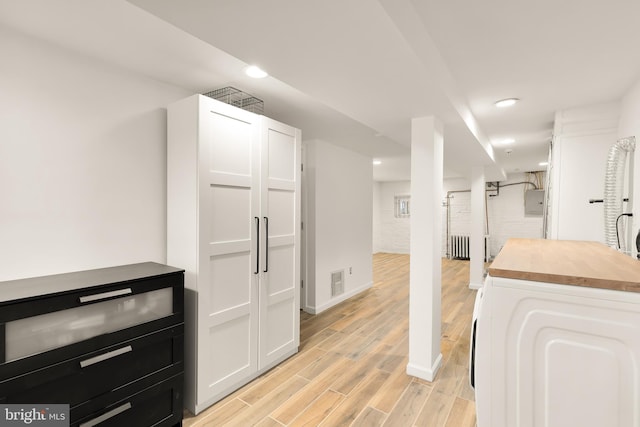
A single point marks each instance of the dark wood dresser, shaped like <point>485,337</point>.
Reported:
<point>107,342</point>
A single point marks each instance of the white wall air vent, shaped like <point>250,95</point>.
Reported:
<point>337,283</point>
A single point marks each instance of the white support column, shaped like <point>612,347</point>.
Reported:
<point>476,241</point>
<point>426,234</point>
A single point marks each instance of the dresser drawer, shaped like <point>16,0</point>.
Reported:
<point>81,378</point>
<point>159,405</point>
<point>37,334</point>
<point>61,321</point>
<point>108,342</point>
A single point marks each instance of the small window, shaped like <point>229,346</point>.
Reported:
<point>402,209</point>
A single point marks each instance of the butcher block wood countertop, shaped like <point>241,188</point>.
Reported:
<point>567,262</point>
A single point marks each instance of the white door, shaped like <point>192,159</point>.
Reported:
<point>579,176</point>
<point>229,270</point>
<point>279,289</point>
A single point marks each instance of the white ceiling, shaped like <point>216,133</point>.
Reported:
<point>355,72</point>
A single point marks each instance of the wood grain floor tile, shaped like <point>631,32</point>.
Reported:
<point>463,414</point>
<point>268,422</point>
<point>224,414</point>
<point>319,409</point>
<point>290,409</point>
<point>320,365</point>
<point>357,400</point>
<point>369,417</point>
<point>395,386</point>
<point>351,365</point>
<point>280,374</point>
<point>409,405</point>
<point>358,373</point>
<point>436,409</point>
<point>270,402</point>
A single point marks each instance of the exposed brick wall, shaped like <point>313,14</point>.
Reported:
<point>505,213</point>
<point>394,233</point>
<point>506,217</point>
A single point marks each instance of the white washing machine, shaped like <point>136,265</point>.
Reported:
<point>472,340</point>
<point>555,355</point>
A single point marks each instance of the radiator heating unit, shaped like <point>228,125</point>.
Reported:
<point>459,247</point>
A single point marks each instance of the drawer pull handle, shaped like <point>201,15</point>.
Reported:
<point>104,295</point>
<point>105,356</point>
<point>112,413</point>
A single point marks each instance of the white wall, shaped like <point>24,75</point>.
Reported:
<point>82,161</point>
<point>630,126</point>
<point>377,220</point>
<point>339,222</point>
<point>394,233</point>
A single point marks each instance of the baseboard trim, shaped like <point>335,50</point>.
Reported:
<point>424,373</point>
<point>475,286</point>
<point>337,300</point>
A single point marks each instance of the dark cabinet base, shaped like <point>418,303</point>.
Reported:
<point>159,405</point>
<point>128,377</point>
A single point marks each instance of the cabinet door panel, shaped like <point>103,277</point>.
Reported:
<point>282,271</point>
<point>279,288</point>
<point>281,213</point>
<point>231,351</point>
<point>230,284</point>
<point>231,147</point>
<point>230,209</point>
<point>229,201</point>
<point>275,337</point>
<point>281,154</point>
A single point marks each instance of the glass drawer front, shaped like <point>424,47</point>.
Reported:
<point>33,335</point>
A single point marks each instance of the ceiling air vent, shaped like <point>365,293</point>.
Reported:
<point>237,98</point>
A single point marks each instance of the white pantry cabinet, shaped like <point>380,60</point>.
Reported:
<point>233,219</point>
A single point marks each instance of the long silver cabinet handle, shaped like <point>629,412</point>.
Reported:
<point>105,356</point>
<point>112,413</point>
<point>257,245</point>
<point>266,244</point>
<point>104,295</point>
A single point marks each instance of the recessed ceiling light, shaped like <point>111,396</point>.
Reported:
<point>543,163</point>
<point>506,102</point>
<point>377,162</point>
<point>255,72</point>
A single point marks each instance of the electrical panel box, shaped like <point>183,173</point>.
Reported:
<point>533,202</point>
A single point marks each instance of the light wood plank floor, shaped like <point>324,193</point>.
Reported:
<point>350,370</point>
